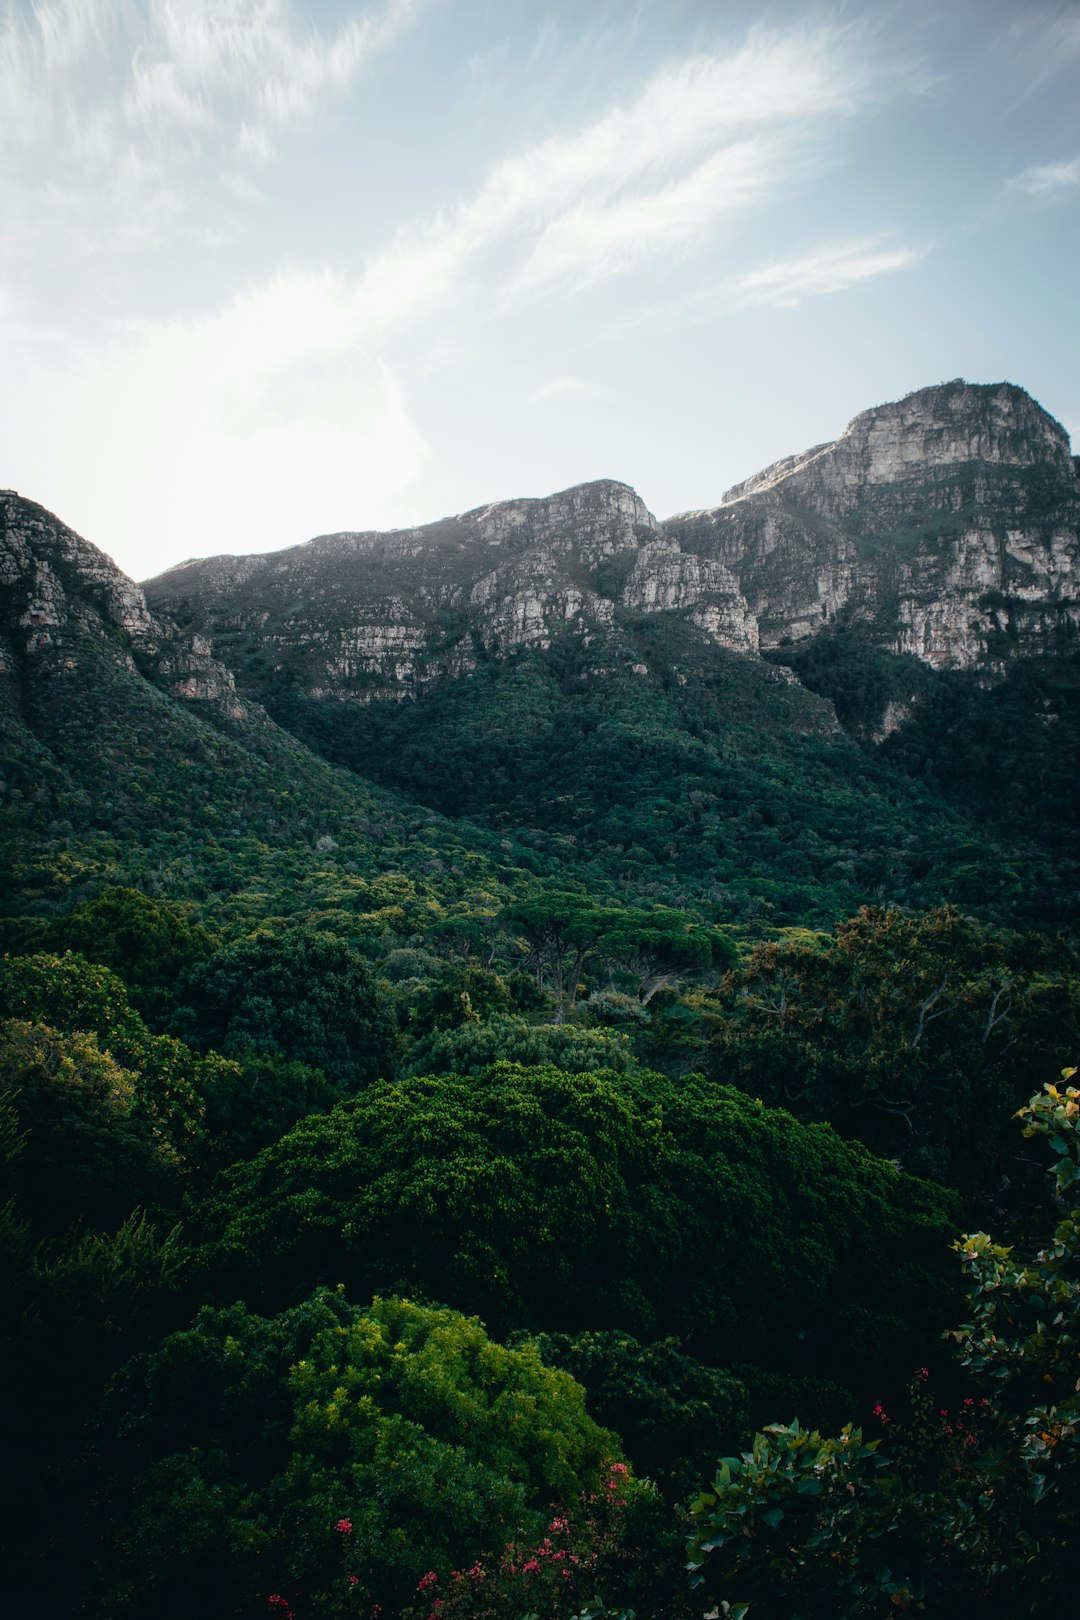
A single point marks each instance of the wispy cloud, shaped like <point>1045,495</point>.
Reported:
<point>558,387</point>
<point>708,137</point>
<point>827,269</point>
<point>115,114</point>
<point>1045,40</point>
<point>1048,181</point>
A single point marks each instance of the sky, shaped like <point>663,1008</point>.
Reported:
<point>271,269</point>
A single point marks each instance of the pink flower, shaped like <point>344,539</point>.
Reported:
<point>344,1527</point>
<point>427,1580</point>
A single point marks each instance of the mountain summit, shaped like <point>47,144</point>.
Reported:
<point>947,524</point>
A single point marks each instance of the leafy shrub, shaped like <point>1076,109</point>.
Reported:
<point>283,1456</point>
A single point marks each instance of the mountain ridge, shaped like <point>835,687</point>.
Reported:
<point>950,519</point>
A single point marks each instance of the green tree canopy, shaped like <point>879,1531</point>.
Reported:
<point>169,1081</point>
<point>541,1199</point>
<point>146,941</point>
<point>919,1035</point>
<point>278,1456</point>
<point>302,995</point>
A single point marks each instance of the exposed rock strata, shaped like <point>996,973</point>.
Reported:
<point>56,589</point>
<point>947,523</point>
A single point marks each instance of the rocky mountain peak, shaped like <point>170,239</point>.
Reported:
<point>945,524</point>
<point>60,595</point>
<point>953,424</point>
<point>950,425</point>
<point>603,510</point>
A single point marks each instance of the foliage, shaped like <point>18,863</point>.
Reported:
<point>302,995</point>
<point>919,1035</point>
<point>672,1412</point>
<point>568,1202</point>
<point>144,940</point>
<point>583,1550</point>
<point>87,1156</point>
<point>254,1101</point>
<point>972,1507</point>
<point>169,1081</point>
<point>473,1047</point>
<point>284,1455</point>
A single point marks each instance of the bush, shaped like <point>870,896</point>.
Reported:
<point>331,1456</point>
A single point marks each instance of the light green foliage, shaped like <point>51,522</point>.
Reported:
<point>1024,1331</point>
<point>247,1441</point>
<point>504,1038</point>
<point>75,995</point>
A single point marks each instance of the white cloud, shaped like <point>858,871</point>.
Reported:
<point>249,430</point>
<point>558,387</point>
<point>597,238</point>
<point>1048,181</point>
<point>105,105</point>
<point>704,137</point>
<point>279,415</point>
<point>827,269</point>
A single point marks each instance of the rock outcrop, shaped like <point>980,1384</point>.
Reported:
<point>57,590</point>
<point>947,524</point>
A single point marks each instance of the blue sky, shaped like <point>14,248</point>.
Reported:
<point>270,269</point>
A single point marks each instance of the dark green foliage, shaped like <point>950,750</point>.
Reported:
<point>919,1035</point>
<point>240,1451</point>
<point>1004,753</point>
<point>967,1508</point>
<point>673,1413</point>
<point>568,1202</point>
<point>708,780</point>
<point>146,941</point>
<point>254,1101</point>
<point>301,995</point>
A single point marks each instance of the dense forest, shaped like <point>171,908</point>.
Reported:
<point>545,1151</point>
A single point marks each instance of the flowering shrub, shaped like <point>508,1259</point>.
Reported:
<point>582,1548</point>
<point>974,1504</point>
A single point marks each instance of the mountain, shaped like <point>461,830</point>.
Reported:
<point>948,522</point>
<point>127,755</point>
<point>734,704</point>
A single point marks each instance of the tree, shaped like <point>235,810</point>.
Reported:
<point>301,995</point>
<point>330,1455</point>
<point>968,1509</point>
<point>147,942</point>
<point>169,1082</point>
<point>566,1202</point>
<point>918,1035</point>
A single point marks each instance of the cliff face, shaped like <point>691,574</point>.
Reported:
<point>369,616</point>
<point>946,523</point>
<point>60,595</point>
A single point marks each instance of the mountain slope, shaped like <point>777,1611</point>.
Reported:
<point>573,667</point>
<point>126,754</point>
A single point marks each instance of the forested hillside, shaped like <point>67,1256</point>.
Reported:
<point>515,1113</point>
